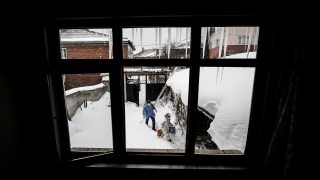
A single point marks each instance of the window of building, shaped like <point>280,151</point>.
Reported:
<point>63,53</point>
<point>215,107</point>
<point>243,40</point>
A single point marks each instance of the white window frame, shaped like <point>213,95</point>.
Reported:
<point>63,53</point>
<point>242,40</point>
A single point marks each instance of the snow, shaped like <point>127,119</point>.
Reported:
<point>179,83</point>
<point>85,39</point>
<point>85,88</point>
<point>91,126</point>
<point>105,78</point>
<point>88,39</point>
<point>226,96</point>
<point>252,55</point>
<point>144,70</point>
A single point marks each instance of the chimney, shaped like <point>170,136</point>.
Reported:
<point>142,48</point>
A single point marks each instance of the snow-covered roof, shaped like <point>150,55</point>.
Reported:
<point>146,69</point>
<point>183,45</point>
<point>146,53</point>
<point>104,74</point>
<point>105,78</point>
<point>83,35</point>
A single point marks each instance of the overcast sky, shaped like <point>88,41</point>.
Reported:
<point>149,36</point>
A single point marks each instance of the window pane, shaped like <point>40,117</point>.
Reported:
<point>86,43</point>
<point>224,105</point>
<point>167,89</point>
<point>153,43</point>
<point>239,40</point>
<point>87,98</point>
<point>231,44</point>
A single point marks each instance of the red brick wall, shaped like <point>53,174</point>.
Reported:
<point>125,51</point>
<point>87,52</point>
<point>80,80</point>
<point>231,49</point>
<point>92,52</point>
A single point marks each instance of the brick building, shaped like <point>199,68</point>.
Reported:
<point>89,44</point>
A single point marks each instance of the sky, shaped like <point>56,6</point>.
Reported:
<point>149,36</point>
<point>224,92</point>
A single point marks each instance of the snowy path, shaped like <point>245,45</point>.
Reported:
<point>138,134</point>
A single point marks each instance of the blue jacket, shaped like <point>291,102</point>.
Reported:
<point>148,111</point>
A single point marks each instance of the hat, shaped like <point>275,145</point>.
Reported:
<point>167,115</point>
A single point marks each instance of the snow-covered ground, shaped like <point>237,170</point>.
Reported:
<point>251,55</point>
<point>92,127</point>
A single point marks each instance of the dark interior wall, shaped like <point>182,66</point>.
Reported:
<point>26,128</point>
<point>26,134</point>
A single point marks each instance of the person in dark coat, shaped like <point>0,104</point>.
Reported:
<point>148,112</point>
<point>136,89</point>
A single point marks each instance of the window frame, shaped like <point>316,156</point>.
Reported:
<point>242,39</point>
<point>64,53</point>
<point>57,66</point>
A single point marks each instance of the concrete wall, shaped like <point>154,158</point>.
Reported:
<point>75,100</point>
<point>107,84</point>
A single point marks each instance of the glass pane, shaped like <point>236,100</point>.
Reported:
<point>167,89</point>
<point>224,104</point>
<point>87,98</point>
<point>239,40</point>
<point>153,43</point>
<point>86,43</point>
<point>231,42</point>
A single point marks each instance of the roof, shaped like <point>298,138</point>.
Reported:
<point>146,70</point>
<point>183,45</point>
<point>71,36</point>
<point>146,53</point>
<point>82,35</point>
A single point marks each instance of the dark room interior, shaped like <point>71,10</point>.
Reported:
<point>280,141</point>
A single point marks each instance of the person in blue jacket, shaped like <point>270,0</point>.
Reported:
<point>148,112</point>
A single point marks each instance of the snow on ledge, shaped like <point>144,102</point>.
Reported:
<point>143,70</point>
<point>85,88</point>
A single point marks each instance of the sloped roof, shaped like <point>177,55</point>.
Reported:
<point>86,35</point>
<point>82,35</point>
<point>146,53</point>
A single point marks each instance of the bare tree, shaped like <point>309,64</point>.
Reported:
<point>176,52</point>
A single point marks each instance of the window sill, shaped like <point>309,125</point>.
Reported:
<point>166,166</point>
<point>197,151</point>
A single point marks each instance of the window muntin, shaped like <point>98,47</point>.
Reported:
<point>166,97</point>
<point>86,43</point>
<point>153,43</point>
<point>224,104</point>
<point>88,108</point>
<point>227,41</point>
